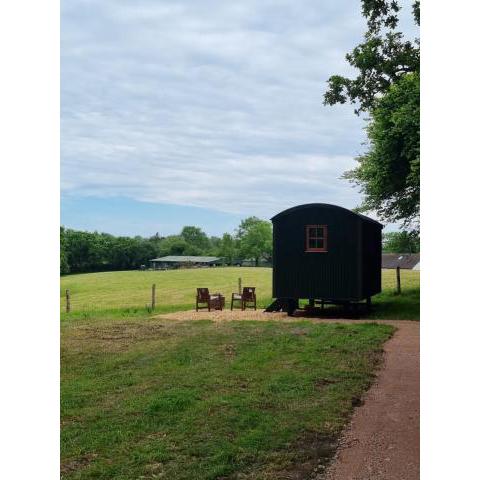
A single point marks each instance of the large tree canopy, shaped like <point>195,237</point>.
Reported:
<point>255,239</point>
<point>388,89</point>
<point>389,172</point>
<point>382,59</point>
<point>196,239</point>
<point>228,248</point>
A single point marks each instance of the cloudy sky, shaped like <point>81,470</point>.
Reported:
<point>202,112</point>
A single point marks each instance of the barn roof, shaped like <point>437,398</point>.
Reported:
<point>323,205</point>
<point>403,260</point>
<point>186,258</point>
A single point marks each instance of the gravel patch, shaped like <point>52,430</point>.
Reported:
<point>225,315</point>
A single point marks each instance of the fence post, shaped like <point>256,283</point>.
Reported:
<point>67,297</point>
<point>399,288</point>
<point>240,285</point>
<point>153,297</point>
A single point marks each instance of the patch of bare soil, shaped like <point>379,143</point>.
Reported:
<point>318,451</point>
<point>77,463</point>
<point>119,331</point>
<point>114,337</point>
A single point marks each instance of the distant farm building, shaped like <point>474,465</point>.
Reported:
<point>407,261</point>
<point>325,253</point>
<point>179,261</point>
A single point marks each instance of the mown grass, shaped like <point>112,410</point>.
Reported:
<point>151,399</point>
<point>99,291</point>
<point>120,294</point>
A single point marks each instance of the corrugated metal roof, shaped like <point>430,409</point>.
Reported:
<point>403,260</point>
<point>186,258</point>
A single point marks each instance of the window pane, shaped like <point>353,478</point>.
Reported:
<point>316,237</point>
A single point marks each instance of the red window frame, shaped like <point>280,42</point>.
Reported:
<point>309,236</point>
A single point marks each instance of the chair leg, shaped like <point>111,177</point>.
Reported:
<point>231,303</point>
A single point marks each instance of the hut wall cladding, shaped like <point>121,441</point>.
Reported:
<point>350,269</point>
<point>372,259</point>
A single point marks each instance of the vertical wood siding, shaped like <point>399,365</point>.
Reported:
<point>339,273</point>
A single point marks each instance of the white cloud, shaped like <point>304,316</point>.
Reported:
<point>211,104</point>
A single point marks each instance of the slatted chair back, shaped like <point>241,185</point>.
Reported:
<point>248,294</point>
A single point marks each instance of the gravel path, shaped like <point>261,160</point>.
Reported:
<point>382,441</point>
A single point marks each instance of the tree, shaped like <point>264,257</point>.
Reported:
<point>401,242</point>
<point>64,266</point>
<point>197,241</point>
<point>388,88</point>
<point>389,172</point>
<point>89,252</point>
<point>173,245</point>
<point>215,244</point>
<point>227,248</point>
<point>255,239</point>
<point>382,59</point>
<point>81,250</point>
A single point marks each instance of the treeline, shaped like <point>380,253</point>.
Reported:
<point>93,252</point>
<point>401,242</point>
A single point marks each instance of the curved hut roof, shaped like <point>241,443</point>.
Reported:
<point>288,211</point>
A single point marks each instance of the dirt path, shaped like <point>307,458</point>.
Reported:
<point>382,441</point>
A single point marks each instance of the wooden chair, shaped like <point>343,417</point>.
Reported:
<point>209,301</point>
<point>247,297</point>
<point>203,297</point>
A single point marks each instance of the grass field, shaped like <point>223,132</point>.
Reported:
<point>127,293</point>
<point>158,399</point>
<point>149,398</point>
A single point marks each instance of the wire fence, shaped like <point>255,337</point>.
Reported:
<point>111,294</point>
<point>149,298</point>
<point>72,301</point>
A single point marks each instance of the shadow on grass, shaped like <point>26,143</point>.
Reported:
<point>390,305</point>
<point>387,305</point>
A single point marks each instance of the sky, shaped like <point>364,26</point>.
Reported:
<point>203,113</point>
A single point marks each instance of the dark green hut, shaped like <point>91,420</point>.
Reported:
<point>325,253</point>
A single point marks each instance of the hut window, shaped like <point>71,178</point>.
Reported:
<point>316,238</point>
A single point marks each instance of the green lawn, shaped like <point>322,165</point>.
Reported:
<point>127,293</point>
<point>158,399</point>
